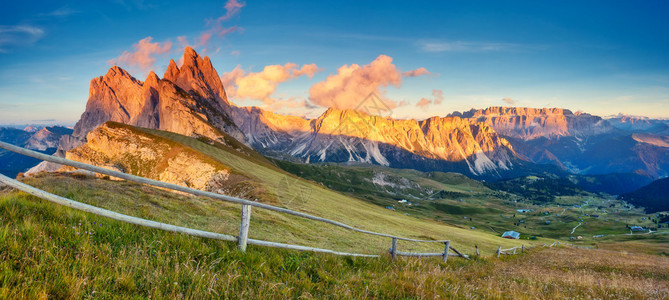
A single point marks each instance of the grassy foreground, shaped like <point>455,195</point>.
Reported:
<point>48,250</point>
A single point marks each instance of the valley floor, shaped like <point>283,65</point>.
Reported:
<point>47,250</point>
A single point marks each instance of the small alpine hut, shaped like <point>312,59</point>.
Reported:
<point>511,235</point>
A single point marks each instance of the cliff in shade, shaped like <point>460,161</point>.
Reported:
<point>47,138</point>
<point>582,143</point>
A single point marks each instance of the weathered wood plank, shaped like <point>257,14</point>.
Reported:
<point>460,254</point>
<point>244,228</point>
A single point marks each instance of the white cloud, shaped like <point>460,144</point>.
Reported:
<point>19,35</point>
<point>465,46</point>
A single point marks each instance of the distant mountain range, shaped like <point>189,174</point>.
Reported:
<point>41,139</point>
<point>491,144</point>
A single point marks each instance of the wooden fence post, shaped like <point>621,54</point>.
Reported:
<point>514,250</point>
<point>499,251</point>
<point>244,228</point>
<point>477,249</point>
<point>522,249</point>
<point>446,246</point>
<point>393,249</point>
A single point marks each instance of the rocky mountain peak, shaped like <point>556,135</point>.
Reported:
<point>151,80</point>
<point>172,72</point>
<point>197,76</point>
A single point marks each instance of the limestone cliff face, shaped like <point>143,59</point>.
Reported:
<point>122,148</point>
<point>531,123</point>
<point>189,101</point>
<point>352,136</point>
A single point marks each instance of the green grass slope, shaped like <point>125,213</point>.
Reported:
<point>50,251</point>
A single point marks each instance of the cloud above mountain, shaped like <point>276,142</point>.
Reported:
<point>144,54</point>
<point>261,85</point>
<point>509,100</point>
<point>417,72</point>
<point>437,98</point>
<point>216,28</point>
<point>352,84</point>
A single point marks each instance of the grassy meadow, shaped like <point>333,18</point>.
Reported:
<point>49,251</point>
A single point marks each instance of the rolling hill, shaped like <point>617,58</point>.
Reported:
<point>654,197</point>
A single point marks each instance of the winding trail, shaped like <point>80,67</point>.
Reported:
<point>574,229</point>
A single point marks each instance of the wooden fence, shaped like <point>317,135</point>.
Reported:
<point>513,251</point>
<point>242,239</point>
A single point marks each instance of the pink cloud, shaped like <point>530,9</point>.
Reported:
<point>308,70</point>
<point>216,28</point>
<point>353,84</point>
<point>144,54</point>
<point>417,72</point>
<point>438,96</point>
<point>232,8</point>
<point>509,100</point>
<point>424,103</point>
<point>261,85</point>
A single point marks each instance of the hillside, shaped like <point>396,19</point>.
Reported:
<point>256,179</point>
<point>654,197</point>
<point>52,251</point>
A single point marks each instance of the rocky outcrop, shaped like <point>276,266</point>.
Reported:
<point>123,148</point>
<point>197,76</point>
<point>531,123</point>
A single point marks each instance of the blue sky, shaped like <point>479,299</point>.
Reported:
<point>601,57</point>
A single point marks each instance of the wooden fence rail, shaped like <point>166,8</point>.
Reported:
<point>242,240</point>
<point>512,251</point>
